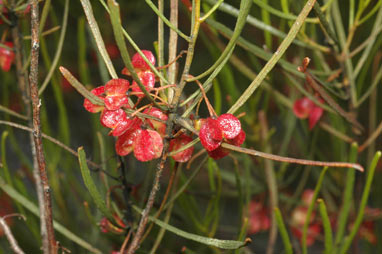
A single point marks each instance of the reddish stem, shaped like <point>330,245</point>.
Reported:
<point>49,241</point>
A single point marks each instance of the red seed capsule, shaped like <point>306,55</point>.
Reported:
<point>148,145</point>
<point>98,91</point>
<point>229,125</point>
<point>178,143</point>
<point>210,134</point>
<point>139,63</point>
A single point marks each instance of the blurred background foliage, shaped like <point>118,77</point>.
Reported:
<point>223,198</point>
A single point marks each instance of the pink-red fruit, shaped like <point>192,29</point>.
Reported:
<point>156,125</point>
<point>179,142</point>
<point>148,145</point>
<point>139,63</point>
<point>305,107</point>
<point>210,134</point>
<point>229,125</point>
<point>7,56</point>
<point>117,120</point>
<point>98,91</point>
<point>213,132</point>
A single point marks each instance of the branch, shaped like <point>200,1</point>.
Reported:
<point>170,123</point>
<point>48,238</point>
<point>293,160</point>
<point>11,239</point>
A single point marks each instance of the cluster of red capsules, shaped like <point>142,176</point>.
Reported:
<point>144,137</point>
<point>132,132</point>
<point>225,128</point>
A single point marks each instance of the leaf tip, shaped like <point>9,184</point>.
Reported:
<point>359,167</point>
<point>247,241</point>
<point>62,69</point>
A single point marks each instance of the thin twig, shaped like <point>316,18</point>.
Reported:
<point>163,202</point>
<point>172,48</point>
<point>127,238</point>
<point>12,113</point>
<point>47,32</point>
<point>57,142</point>
<point>372,137</point>
<point>271,182</point>
<point>314,84</point>
<point>209,106</point>
<point>11,239</point>
<point>48,239</point>
<point>22,81</point>
<point>335,132</point>
<point>293,160</point>
<point>145,213</point>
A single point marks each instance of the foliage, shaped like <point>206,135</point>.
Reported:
<point>159,74</point>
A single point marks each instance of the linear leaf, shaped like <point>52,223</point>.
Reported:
<point>90,185</point>
<point>223,244</point>
<point>14,194</point>
<point>275,58</point>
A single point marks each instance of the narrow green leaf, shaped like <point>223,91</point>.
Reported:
<point>212,10</point>
<point>190,178</point>
<point>370,13</point>
<point>58,49</point>
<point>135,46</point>
<point>97,37</point>
<point>361,211</point>
<point>275,58</point>
<point>206,85</point>
<point>229,9</point>
<point>82,47</point>
<point>63,122</point>
<point>90,185</point>
<point>165,20</point>
<point>80,87</point>
<point>310,210</point>
<point>280,14</point>
<point>327,228</point>
<point>370,45</point>
<point>14,194</point>
<point>324,22</point>
<point>12,113</point>
<point>222,244</point>
<point>347,197</point>
<point>118,34</point>
<point>217,97</point>
<point>283,231</point>
<point>44,15</point>
<point>3,155</point>
<point>245,6</point>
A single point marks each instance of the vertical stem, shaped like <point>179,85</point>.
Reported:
<point>22,81</point>
<point>145,213</point>
<point>49,242</point>
<point>190,52</point>
<point>161,43</point>
<point>170,123</point>
<point>271,182</point>
<point>172,48</point>
<point>373,109</point>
